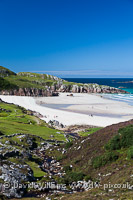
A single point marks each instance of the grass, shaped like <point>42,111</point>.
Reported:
<point>36,169</point>
<point>10,80</point>
<point>33,81</point>
<point>14,160</point>
<point>89,131</point>
<point>42,131</point>
<point>6,85</point>
<point>15,120</point>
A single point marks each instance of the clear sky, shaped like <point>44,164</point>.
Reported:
<point>68,38</point>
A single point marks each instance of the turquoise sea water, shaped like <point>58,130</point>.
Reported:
<point>130,90</point>
<point>122,83</point>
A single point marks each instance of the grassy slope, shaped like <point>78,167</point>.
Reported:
<point>82,161</point>
<point>34,80</point>
<point>91,147</point>
<point>10,80</point>
<point>89,131</point>
<point>15,120</point>
<point>30,82</point>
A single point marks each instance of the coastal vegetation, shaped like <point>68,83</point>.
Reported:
<point>124,139</point>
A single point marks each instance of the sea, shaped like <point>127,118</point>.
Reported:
<point>122,83</point>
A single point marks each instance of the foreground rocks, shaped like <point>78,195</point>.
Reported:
<point>18,154</point>
<point>14,175</point>
<point>56,124</point>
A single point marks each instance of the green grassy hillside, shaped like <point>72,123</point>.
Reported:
<point>10,80</point>
<point>15,119</point>
<point>23,139</point>
<point>31,80</point>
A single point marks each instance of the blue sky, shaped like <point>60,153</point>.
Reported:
<point>68,38</point>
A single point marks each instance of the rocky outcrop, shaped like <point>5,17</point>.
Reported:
<point>29,92</point>
<point>13,176</point>
<point>56,124</point>
<point>35,75</point>
<point>45,85</point>
<point>22,154</point>
<point>90,88</point>
<point>54,89</point>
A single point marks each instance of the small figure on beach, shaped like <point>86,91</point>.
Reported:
<point>70,95</point>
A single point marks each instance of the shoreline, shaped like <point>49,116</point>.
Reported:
<point>67,107</point>
<point>120,98</point>
<point>90,103</point>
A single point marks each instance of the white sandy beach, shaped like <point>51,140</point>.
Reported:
<point>81,109</point>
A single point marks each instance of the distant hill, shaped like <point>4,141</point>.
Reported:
<point>33,84</point>
<point>27,83</point>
